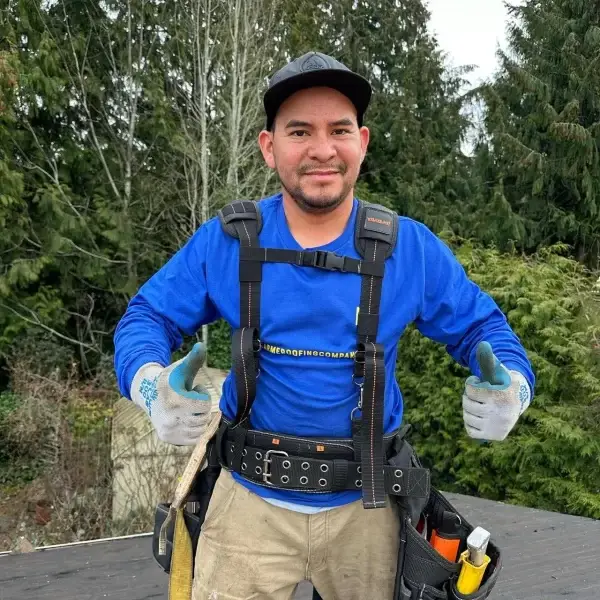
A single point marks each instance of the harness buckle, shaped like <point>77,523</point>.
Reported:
<point>359,406</point>
<point>328,260</point>
<point>266,474</point>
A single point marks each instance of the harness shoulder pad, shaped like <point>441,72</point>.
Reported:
<point>239,210</point>
<point>375,222</point>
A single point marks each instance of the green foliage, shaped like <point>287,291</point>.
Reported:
<point>219,354</point>
<point>551,459</point>
<point>88,417</point>
<point>8,403</point>
<point>541,137</point>
<point>18,465</point>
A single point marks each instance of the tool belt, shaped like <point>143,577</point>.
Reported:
<point>311,465</point>
<point>326,465</point>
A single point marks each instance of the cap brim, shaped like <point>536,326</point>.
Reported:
<point>354,86</point>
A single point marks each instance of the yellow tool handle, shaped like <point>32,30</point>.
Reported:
<point>181,570</point>
<point>470,576</point>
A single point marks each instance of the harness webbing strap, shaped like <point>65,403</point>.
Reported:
<point>245,343</point>
<point>372,455</point>
<point>319,259</point>
<point>246,346</point>
<point>250,279</point>
<point>369,365</point>
<point>370,297</point>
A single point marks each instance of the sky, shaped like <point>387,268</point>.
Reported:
<point>469,31</point>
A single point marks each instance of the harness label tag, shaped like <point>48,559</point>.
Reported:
<point>378,224</point>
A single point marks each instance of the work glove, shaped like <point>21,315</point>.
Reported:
<point>178,410</point>
<point>493,404</point>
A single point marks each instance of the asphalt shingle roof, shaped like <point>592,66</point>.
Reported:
<point>547,556</point>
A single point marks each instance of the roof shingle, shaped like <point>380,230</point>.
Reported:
<point>547,556</point>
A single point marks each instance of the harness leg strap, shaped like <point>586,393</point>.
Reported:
<point>372,456</point>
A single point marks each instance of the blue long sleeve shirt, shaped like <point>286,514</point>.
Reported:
<point>308,325</point>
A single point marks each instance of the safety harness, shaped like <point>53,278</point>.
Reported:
<point>322,465</point>
<point>381,465</point>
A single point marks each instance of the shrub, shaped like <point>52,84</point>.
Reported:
<point>56,433</point>
<point>551,460</point>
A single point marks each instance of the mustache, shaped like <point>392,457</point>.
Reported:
<point>341,167</point>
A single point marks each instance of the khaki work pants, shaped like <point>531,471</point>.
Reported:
<point>250,549</point>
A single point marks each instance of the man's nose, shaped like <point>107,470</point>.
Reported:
<point>321,149</point>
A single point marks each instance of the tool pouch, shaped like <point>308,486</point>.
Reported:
<point>193,523</point>
<point>422,572</point>
<point>194,513</point>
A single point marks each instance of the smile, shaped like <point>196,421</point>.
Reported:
<point>321,173</point>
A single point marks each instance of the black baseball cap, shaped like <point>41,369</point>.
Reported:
<point>316,69</point>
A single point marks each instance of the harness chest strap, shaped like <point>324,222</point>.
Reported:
<point>375,237</point>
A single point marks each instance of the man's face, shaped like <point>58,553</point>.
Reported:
<point>317,148</point>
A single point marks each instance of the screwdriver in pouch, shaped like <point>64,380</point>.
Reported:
<point>474,561</point>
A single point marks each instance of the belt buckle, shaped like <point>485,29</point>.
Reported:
<point>266,474</point>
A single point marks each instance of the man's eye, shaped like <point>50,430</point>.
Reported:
<point>298,133</point>
<point>338,131</point>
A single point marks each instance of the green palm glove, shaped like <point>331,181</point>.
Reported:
<point>178,409</point>
<point>493,403</point>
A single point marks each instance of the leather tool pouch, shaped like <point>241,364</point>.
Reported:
<point>194,513</point>
<point>422,572</point>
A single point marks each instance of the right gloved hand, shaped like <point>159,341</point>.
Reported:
<point>493,404</point>
<point>178,410</point>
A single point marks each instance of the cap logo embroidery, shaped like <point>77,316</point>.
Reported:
<point>312,63</point>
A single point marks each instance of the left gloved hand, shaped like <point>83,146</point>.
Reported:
<point>492,404</point>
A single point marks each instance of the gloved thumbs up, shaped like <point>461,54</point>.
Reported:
<point>493,402</point>
<point>192,363</point>
<point>178,411</point>
<point>492,371</point>
<point>181,378</point>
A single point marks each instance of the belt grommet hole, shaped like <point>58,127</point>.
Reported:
<point>258,455</point>
<point>358,483</point>
<point>305,466</point>
<point>244,466</point>
<point>286,464</point>
<point>284,479</point>
<point>324,468</point>
<point>322,482</point>
<point>258,470</point>
<point>396,487</point>
<point>244,452</point>
<point>304,480</point>
<point>397,473</point>
<point>359,470</point>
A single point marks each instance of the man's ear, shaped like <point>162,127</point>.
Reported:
<point>265,141</point>
<point>364,141</point>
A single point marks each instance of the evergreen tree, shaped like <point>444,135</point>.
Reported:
<point>542,129</point>
<point>75,135</point>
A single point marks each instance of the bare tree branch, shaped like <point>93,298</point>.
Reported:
<point>36,321</point>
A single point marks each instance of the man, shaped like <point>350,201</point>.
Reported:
<point>259,541</point>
